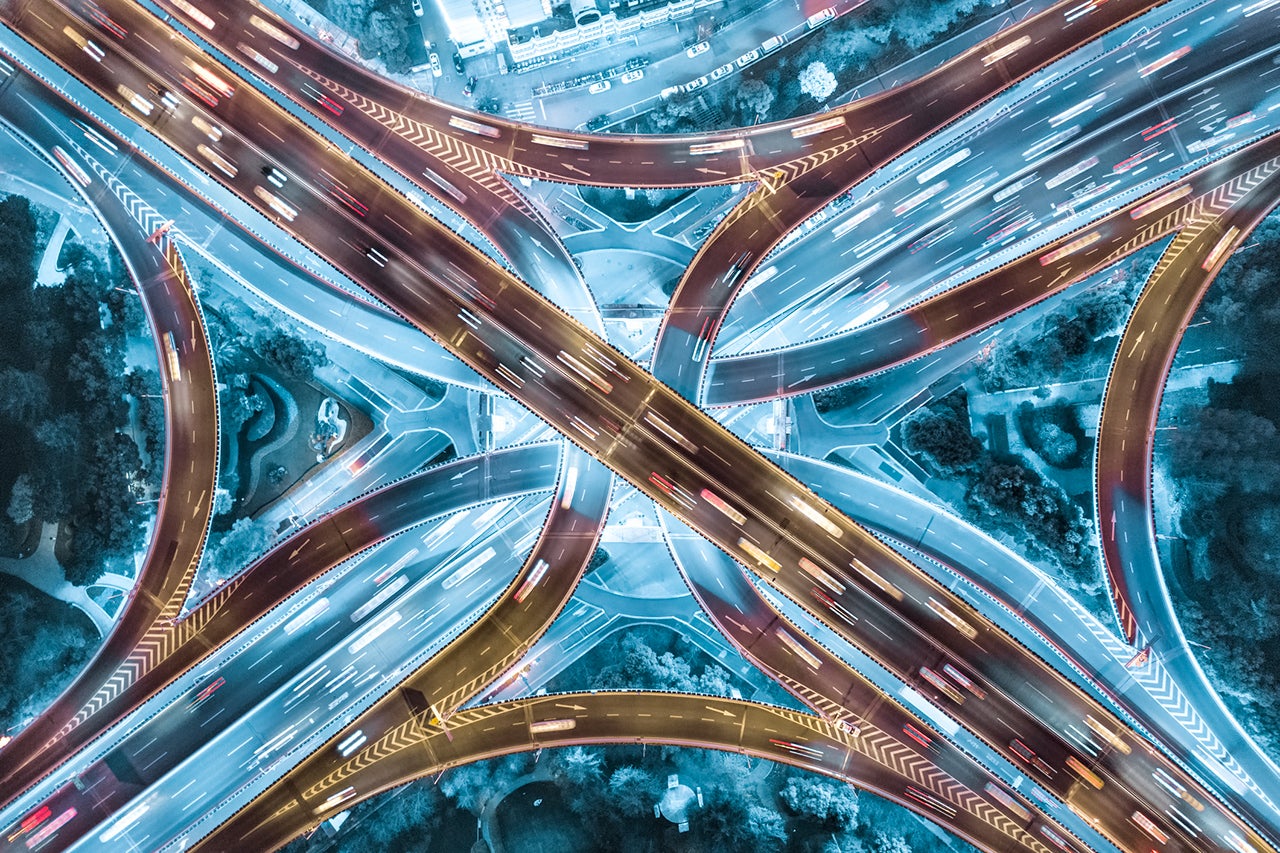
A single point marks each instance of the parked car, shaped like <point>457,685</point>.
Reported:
<point>748,58</point>
<point>632,76</point>
<point>457,64</point>
<point>698,49</point>
<point>697,83</point>
<point>773,43</point>
<point>727,68</point>
<point>435,65</point>
<point>598,87</point>
<point>416,5</point>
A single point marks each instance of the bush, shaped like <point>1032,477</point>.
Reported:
<point>941,433</point>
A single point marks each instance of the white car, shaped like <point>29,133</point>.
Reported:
<point>727,68</point>
<point>597,88</point>
<point>417,7</point>
<point>632,76</point>
<point>748,58</point>
<point>773,43</point>
<point>435,65</point>
<point>697,83</point>
<point>698,49</point>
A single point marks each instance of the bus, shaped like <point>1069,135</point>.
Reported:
<point>720,504</point>
<point>813,128</point>
<point>1215,254</point>
<point>538,727</point>
<point>570,486</point>
<point>195,14</point>
<point>210,79</point>
<point>379,599</point>
<point>584,371</point>
<point>1084,772</point>
<point>718,147</point>
<point>257,57</point>
<point>474,127</point>
<point>444,185</point>
<point>307,616</point>
<point>942,685</point>
<point>758,554</point>
<point>72,167</point>
<point>1006,51</point>
<point>942,165</point>
<point>276,203</point>
<point>222,164</point>
<point>560,142</point>
<point>854,221</point>
<point>535,576</point>
<point>670,432</point>
<point>1163,200</point>
<point>816,516</point>
<point>797,648</point>
<point>952,619</point>
<point>1070,248</point>
<point>1145,824</point>
<point>1004,798</point>
<point>1105,733</point>
<point>274,31</point>
<point>866,571</point>
<point>171,356</point>
<point>1073,172</point>
<point>821,575</point>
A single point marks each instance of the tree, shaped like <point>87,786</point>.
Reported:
<point>641,668</point>
<point>384,36</point>
<point>1056,445</point>
<point>941,432</point>
<point>245,541</point>
<point>18,233</point>
<point>817,82</point>
<point>578,766</point>
<point>26,394</point>
<point>471,785</point>
<point>633,791</point>
<point>295,358</point>
<point>21,505</point>
<point>753,99</point>
<point>729,822</point>
<point>830,803</point>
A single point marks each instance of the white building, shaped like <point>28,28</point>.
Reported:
<point>530,32</point>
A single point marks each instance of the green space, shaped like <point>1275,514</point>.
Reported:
<point>799,78</point>
<point>70,453</point>
<point>1219,450</point>
<point>44,643</point>
<point>272,439</point>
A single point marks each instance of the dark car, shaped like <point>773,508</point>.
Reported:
<point>470,87</point>
<point>457,63</point>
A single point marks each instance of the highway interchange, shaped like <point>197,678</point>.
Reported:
<point>646,429</point>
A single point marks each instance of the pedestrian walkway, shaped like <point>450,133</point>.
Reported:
<point>541,773</point>
<point>49,272</point>
<point>43,571</point>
